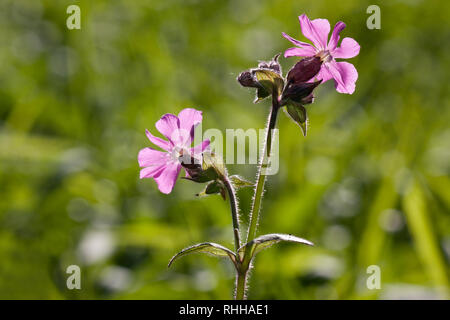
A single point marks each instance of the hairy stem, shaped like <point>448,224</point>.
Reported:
<point>241,279</point>
<point>259,189</point>
<point>234,210</point>
<point>244,265</point>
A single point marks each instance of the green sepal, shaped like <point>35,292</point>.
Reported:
<point>212,160</point>
<point>269,81</point>
<point>214,187</point>
<point>211,168</point>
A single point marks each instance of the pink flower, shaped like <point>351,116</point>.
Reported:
<point>343,73</point>
<point>164,166</point>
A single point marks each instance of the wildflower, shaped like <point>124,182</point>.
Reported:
<point>164,166</point>
<point>343,73</point>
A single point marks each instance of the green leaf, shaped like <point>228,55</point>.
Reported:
<point>265,241</point>
<point>239,182</point>
<point>298,114</point>
<point>206,247</point>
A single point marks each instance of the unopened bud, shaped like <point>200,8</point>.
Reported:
<point>246,79</point>
<point>301,92</point>
<point>308,99</point>
<point>266,78</point>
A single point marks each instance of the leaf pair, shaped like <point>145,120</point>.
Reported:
<point>254,247</point>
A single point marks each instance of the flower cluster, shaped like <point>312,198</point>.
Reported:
<point>292,93</point>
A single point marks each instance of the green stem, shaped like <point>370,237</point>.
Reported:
<point>234,210</point>
<point>241,279</point>
<point>259,189</point>
<point>244,265</point>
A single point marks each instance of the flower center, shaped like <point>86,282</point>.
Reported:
<point>324,56</point>
<point>176,153</point>
<point>183,155</point>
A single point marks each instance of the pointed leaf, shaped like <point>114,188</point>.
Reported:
<point>239,182</point>
<point>205,247</point>
<point>298,114</point>
<point>265,241</point>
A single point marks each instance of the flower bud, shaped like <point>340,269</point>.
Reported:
<point>308,99</point>
<point>304,70</point>
<point>246,79</point>
<point>266,78</point>
<point>300,92</point>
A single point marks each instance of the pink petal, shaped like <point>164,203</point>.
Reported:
<point>344,74</point>
<point>323,75</point>
<point>308,49</point>
<point>150,157</point>
<point>158,141</point>
<point>349,48</point>
<point>169,126</point>
<point>335,35</point>
<point>317,30</point>
<point>189,118</point>
<point>150,172</point>
<point>322,27</point>
<point>298,52</point>
<point>166,179</point>
<point>201,147</point>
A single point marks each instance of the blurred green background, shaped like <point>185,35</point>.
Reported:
<point>369,185</point>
